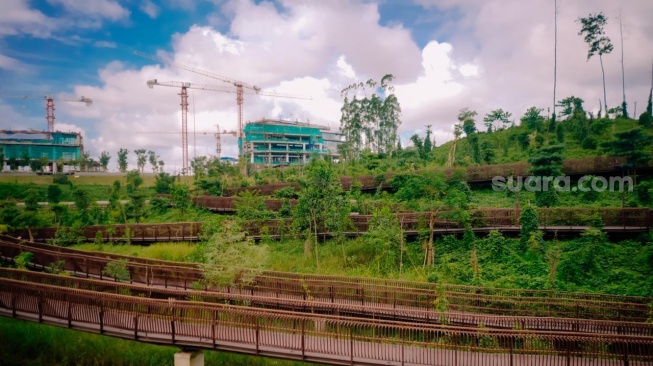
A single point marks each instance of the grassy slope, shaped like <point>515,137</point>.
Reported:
<point>102,179</point>
<point>24,343</point>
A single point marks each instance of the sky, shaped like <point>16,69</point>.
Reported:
<point>445,54</point>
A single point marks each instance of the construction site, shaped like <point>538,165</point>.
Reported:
<point>265,142</point>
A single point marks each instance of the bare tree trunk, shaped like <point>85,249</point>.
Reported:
<point>623,72</point>
<point>605,101</point>
<point>431,255</point>
<point>555,54</point>
<point>317,259</point>
<point>401,246</point>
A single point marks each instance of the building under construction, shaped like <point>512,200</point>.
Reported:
<point>56,146</point>
<point>278,142</point>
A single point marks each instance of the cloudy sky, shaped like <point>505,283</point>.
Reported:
<point>445,54</point>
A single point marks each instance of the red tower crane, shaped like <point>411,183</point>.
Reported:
<point>239,91</point>
<point>49,103</point>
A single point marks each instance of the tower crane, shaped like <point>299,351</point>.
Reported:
<point>241,89</point>
<point>218,140</point>
<point>49,103</point>
<point>184,106</point>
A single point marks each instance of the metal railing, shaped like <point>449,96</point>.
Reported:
<point>323,306</point>
<point>374,292</point>
<point>311,337</point>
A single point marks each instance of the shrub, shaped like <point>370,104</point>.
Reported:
<point>117,270</point>
<point>23,259</point>
<point>61,179</point>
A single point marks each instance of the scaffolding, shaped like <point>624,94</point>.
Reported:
<point>279,142</point>
<point>54,146</point>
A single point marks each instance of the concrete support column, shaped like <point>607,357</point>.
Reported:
<point>189,358</point>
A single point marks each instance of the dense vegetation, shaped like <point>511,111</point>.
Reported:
<point>589,263</point>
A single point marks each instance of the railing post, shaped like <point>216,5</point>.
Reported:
<point>101,318</point>
<point>626,362</point>
<point>40,307</point>
<point>351,345</point>
<point>331,292</point>
<point>511,342</point>
<point>70,313</point>
<point>402,348</point>
<point>136,327</point>
<point>214,317</point>
<point>13,304</point>
<point>303,340</point>
<point>172,328</point>
<point>257,334</point>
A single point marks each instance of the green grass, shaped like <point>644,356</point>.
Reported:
<point>103,179</point>
<point>178,252</point>
<point>24,343</point>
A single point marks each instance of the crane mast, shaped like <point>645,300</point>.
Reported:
<point>184,108</point>
<point>49,103</point>
<point>238,84</point>
<point>184,129</point>
<point>241,87</point>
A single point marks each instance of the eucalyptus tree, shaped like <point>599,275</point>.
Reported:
<point>141,158</point>
<point>555,58</point>
<point>154,161</point>
<point>104,160</point>
<point>370,122</point>
<point>624,105</point>
<point>598,42</point>
<point>122,160</point>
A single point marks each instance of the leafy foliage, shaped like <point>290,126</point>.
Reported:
<point>546,163</point>
<point>117,270</point>
<point>386,237</point>
<point>230,257</point>
<point>22,260</point>
<point>370,122</point>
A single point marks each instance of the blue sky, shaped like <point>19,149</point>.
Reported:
<point>446,54</point>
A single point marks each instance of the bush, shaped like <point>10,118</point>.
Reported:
<point>54,193</point>
<point>61,179</point>
<point>69,236</point>
<point>117,270</point>
<point>23,259</point>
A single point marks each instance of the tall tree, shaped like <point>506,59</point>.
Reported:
<point>428,144</point>
<point>419,144</point>
<point>322,206</point>
<point>466,118</point>
<point>154,161</point>
<point>25,159</point>
<point>555,58</point>
<point>497,115</point>
<point>649,105</point>
<point>370,122</point>
<point>533,119</point>
<point>122,159</point>
<point>546,162</point>
<point>624,105</point>
<point>141,158</point>
<point>598,42</point>
<point>104,160</point>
